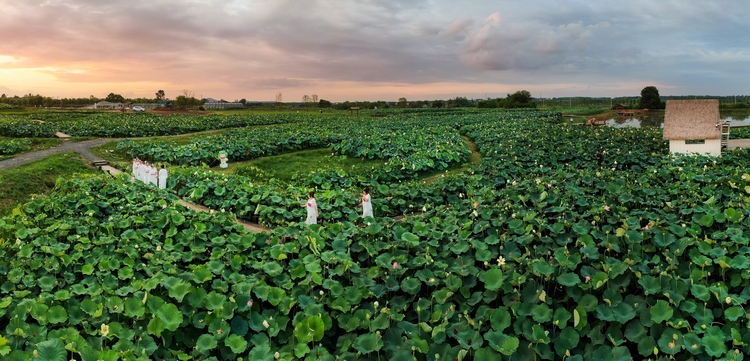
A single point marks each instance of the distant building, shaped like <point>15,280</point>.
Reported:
<point>222,105</point>
<point>693,126</point>
<point>108,105</point>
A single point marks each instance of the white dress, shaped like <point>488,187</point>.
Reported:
<point>311,217</point>
<point>163,178</point>
<point>366,206</point>
<point>153,179</point>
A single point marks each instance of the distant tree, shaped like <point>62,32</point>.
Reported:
<point>243,101</point>
<point>519,99</point>
<point>314,98</point>
<point>324,104</point>
<point>279,97</point>
<point>160,95</point>
<point>650,98</point>
<point>402,103</point>
<point>438,104</point>
<point>460,102</point>
<point>115,98</point>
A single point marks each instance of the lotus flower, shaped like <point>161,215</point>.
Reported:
<point>606,208</point>
<point>105,330</point>
<point>250,303</point>
<point>395,265</point>
<point>588,278</point>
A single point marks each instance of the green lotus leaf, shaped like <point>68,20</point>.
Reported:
<point>236,343</point>
<point>734,313</point>
<point>561,317</point>
<point>57,314</point>
<point>309,330</point>
<point>635,331</point>
<point>215,300</point>
<point>205,343</point>
<point>177,218</point>
<point>500,319</point>
<point>134,307</point>
<point>541,313</point>
<point>47,282</point>
<point>568,279</point>
<point>567,340</point>
<point>410,238</point>
<point>661,311</point>
<point>273,269</point>
<point>470,339</point>
<point>51,350</point>
<point>39,312</point>
<point>650,284</point>
<point>87,269</point>
<point>369,342</point>
<point>543,268</point>
<point>693,343</point>
<point>713,342</point>
<point>411,285</point>
<point>700,292</point>
<point>589,302</point>
<point>493,279</point>
<point>179,289</point>
<point>170,316</point>
<point>239,326</point>
<point>646,346</point>
<point>670,341</point>
<point>539,334</point>
<point>341,304</point>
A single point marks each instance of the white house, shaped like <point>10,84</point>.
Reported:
<point>107,105</point>
<point>693,126</point>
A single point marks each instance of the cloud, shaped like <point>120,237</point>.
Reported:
<point>238,46</point>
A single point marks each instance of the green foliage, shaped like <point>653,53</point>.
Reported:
<point>645,256</point>
<point>650,98</point>
<point>13,146</point>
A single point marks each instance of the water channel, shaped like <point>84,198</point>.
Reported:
<point>656,119</point>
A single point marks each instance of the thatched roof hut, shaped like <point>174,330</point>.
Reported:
<point>692,119</point>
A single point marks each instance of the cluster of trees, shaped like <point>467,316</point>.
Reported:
<point>404,103</point>
<point>519,99</point>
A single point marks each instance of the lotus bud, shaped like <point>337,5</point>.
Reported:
<point>265,324</point>
<point>276,355</point>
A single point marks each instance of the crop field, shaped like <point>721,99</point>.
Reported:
<point>539,250</point>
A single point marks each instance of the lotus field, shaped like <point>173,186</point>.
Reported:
<point>540,251</point>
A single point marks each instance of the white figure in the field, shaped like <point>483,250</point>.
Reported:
<point>312,209</point>
<point>163,177</point>
<point>142,171</point>
<point>223,159</point>
<point>366,203</point>
<point>154,175</point>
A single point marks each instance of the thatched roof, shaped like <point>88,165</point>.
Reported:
<point>692,119</point>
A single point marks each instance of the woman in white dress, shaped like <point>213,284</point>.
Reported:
<point>154,175</point>
<point>366,203</point>
<point>312,209</point>
<point>162,177</point>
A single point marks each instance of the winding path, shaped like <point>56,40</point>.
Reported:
<point>68,146</point>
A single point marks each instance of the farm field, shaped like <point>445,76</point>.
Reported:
<point>535,250</point>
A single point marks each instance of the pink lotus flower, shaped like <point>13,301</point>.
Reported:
<point>549,185</point>
<point>395,265</point>
<point>647,227</point>
<point>250,303</point>
<point>588,278</point>
<point>606,208</point>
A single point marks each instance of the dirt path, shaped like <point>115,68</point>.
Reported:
<point>68,146</point>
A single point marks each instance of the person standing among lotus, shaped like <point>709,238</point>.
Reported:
<point>366,203</point>
<point>312,209</point>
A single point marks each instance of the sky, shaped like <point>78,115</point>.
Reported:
<point>373,49</point>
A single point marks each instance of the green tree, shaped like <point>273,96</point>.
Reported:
<point>438,104</point>
<point>324,103</point>
<point>650,98</point>
<point>160,95</point>
<point>402,103</point>
<point>114,98</point>
<point>519,99</point>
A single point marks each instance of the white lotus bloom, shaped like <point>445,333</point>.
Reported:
<point>265,324</point>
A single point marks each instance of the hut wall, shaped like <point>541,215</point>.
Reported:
<point>711,146</point>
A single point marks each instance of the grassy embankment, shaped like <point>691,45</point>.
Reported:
<point>17,185</point>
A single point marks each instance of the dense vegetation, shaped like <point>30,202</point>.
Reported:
<point>539,252</point>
